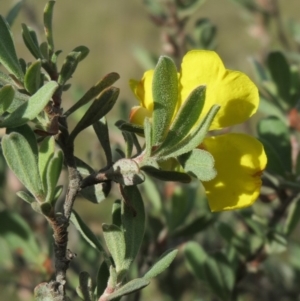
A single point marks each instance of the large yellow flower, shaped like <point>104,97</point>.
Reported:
<point>239,158</point>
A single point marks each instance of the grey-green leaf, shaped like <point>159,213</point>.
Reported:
<point>30,109</point>
<point>7,94</point>
<point>199,163</point>
<point>84,289</point>
<point>8,56</point>
<point>193,140</point>
<point>186,117</point>
<point>100,86</point>
<point>99,108</point>
<point>15,149</point>
<point>115,241</point>
<point>31,42</point>
<point>85,231</point>
<point>32,79</point>
<point>48,15</point>
<point>53,172</point>
<point>165,96</point>
<point>130,287</point>
<point>101,130</point>
<point>133,221</point>
<point>46,152</point>
<point>13,13</point>
<point>162,264</point>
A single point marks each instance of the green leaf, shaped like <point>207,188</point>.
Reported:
<point>130,287</point>
<point>19,237</point>
<point>165,175</point>
<point>46,152</point>
<point>102,278</point>
<point>165,94</point>
<point>215,270</point>
<point>130,127</point>
<point>30,109</point>
<point>281,75</point>
<point>128,144</point>
<point>53,172</point>
<point>116,213</point>
<point>26,131</point>
<point>199,163</point>
<point>115,241</point>
<point>277,134</point>
<point>100,86</point>
<point>133,221</point>
<point>13,13</point>
<point>84,51</point>
<point>85,231</point>
<point>32,79</point>
<point>276,243</point>
<point>69,66</point>
<point>182,202</point>
<point>193,140</point>
<point>15,149</point>
<point>186,117</point>
<point>7,94</point>
<point>162,264</point>
<point>148,136</point>
<point>8,56</point>
<point>31,41</point>
<point>96,193</point>
<point>48,15</point>
<point>99,108</point>
<point>101,130</point>
<point>292,219</point>
<point>26,197</point>
<point>268,108</point>
<point>260,73</point>
<point>84,290</point>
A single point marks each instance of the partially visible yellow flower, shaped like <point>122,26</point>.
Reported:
<point>239,158</point>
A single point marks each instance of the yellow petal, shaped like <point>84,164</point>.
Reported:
<point>143,90</point>
<point>239,161</point>
<point>138,114</point>
<point>232,90</point>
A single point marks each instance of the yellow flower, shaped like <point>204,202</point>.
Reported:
<point>239,158</point>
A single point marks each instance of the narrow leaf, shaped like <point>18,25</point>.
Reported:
<point>96,193</point>
<point>31,42</point>
<point>115,241</point>
<point>277,134</point>
<point>130,287</point>
<point>101,130</point>
<point>26,197</point>
<point>165,94</point>
<point>46,152</point>
<point>100,86</point>
<point>133,221</point>
<point>30,109</point>
<point>130,127</point>
<point>99,108</point>
<point>148,137</point>
<point>8,56</point>
<point>15,149</point>
<point>7,94</point>
<point>83,50</point>
<point>85,231</point>
<point>85,286</point>
<point>48,15</point>
<point>293,216</point>
<point>193,140</point>
<point>116,213</point>
<point>68,68</point>
<point>13,13</point>
<point>102,278</point>
<point>165,175</point>
<point>186,117</point>
<point>281,75</point>
<point>32,79</point>
<point>53,173</point>
<point>161,265</point>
